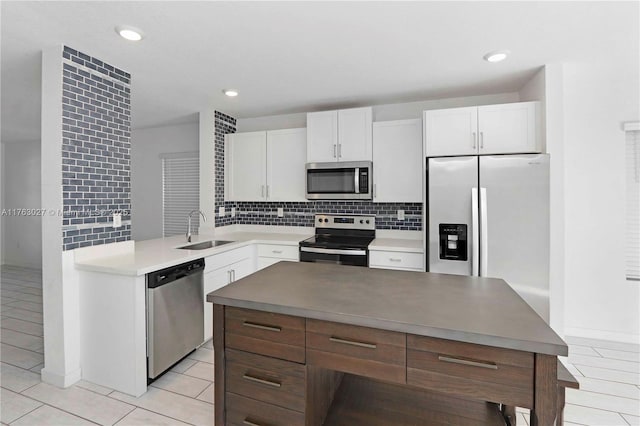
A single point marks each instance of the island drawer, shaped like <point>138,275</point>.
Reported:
<point>358,350</point>
<point>478,371</point>
<point>265,333</point>
<point>242,411</point>
<point>266,379</point>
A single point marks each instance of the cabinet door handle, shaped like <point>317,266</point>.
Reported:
<point>248,422</point>
<point>262,326</point>
<point>353,343</point>
<point>481,140</point>
<point>276,251</point>
<point>261,381</point>
<point>228,277</point>
<point>262,192</point>
<point>334,150</point>
<point>468,362</point>
<point>473,139</point>
<point>393,259</point>
<point>339,150</point>
<point>375,191</point>
<point>267,191</point>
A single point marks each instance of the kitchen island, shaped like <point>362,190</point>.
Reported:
<point>302,343</point>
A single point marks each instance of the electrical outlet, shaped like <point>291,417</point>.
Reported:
<point>117,220</point>
<point>280,212</point>
<point>221,211</point>
<point>400,214</point>
<point>233,212</point>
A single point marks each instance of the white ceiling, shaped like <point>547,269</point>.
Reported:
<point>288,57</point>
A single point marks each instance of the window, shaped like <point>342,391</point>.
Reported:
<point>180,192</point>
<point>633,200</point>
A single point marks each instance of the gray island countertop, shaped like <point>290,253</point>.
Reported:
<point>476,310</point>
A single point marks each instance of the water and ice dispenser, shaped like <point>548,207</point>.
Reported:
<point>453,241</point>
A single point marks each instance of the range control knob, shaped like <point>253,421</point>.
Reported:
<point>367,220</point>
<point>361,221</point>
<point>320,220</point>
<point>326,220</point>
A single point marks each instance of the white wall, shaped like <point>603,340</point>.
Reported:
<point>385,112</point>
<point>146,173</point>
<point>22,236</point>
<point>598,97</point>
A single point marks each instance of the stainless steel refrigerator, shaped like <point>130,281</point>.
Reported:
<point>488,216</point>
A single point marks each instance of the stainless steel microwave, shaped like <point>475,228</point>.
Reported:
<point>348,180</point>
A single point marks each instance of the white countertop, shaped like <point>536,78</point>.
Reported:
<point>397,244</point>
<point>151,255</point>
<point>137,258</point>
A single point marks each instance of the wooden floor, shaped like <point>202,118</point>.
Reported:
<point>608,372</point>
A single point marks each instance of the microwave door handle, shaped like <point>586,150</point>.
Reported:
<point>356,180</point>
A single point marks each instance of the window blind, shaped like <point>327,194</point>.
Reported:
<point>180,193</point>
<point>633,204</point>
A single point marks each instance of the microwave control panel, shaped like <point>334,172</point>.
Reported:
<point>453,241</point>
<point>363,180</point>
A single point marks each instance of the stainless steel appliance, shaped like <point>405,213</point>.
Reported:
<point>343,240</point>
<point>489,216</point>
<point>348,180</point>
<point>175,315</point>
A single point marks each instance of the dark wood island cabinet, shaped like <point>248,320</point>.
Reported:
<point>313,344</point>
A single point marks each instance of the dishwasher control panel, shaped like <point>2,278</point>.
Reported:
<point>167,275</point>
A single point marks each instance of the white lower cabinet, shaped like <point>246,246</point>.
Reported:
<point>403,261</point>
<point>269,254</point>
<point>223,269</point>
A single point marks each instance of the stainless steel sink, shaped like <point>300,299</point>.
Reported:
<point>205,245</point>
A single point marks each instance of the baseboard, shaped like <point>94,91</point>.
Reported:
<point>61,381</point>
<point>615,336</point>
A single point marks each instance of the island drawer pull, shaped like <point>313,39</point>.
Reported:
<point>261,381</point>
<point>353,343</point>
<point>262,326</point>
<point>488,365</point>
<point>393,259</point>
<point>276,251</point>
<point>248,422</point>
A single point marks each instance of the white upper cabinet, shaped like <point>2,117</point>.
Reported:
<point>343,135</point>
<point>451,131</point>
<point>397,161</point>
<point>322,136</point>
<point>286,156</point>
<point>491,129</point>
<point>246,166</point>
<point>266,166</point>
<point>508,128</point>
<point>354,134</point>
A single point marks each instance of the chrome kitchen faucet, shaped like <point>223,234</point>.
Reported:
<point>204,219</point>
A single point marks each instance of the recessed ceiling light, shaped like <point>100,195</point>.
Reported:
<point>231,93</point>
<point>497,56</point>
<point>129,33</point>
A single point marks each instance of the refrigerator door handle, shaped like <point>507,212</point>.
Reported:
<point>484,234</point>
<point>475,242</point>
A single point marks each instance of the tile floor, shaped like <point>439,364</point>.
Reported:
<point>608,372</point>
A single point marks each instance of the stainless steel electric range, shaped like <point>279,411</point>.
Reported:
<point>342,240</point>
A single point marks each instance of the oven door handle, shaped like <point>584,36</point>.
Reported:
<point>333,251</point>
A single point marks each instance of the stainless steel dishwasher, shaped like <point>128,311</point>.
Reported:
<point>175,315</point>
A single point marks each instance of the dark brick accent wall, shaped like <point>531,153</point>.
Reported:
<point>300,213</point>
<point>96,143</point>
